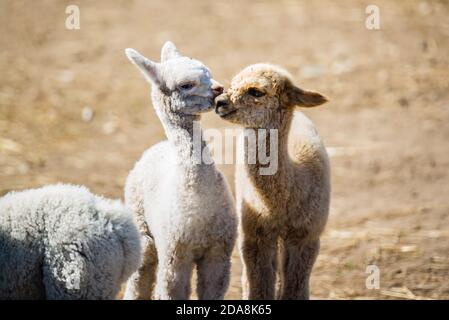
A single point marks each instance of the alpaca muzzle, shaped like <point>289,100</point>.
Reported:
<point>223,106</point>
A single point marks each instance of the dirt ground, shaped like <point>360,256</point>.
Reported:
<point>386,124</point>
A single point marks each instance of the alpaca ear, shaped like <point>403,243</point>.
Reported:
<point>148,68</point>
<point>303,98</point>
<point>169,51</point>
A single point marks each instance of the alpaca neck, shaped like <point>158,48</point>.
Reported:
<point>272,184</point>
<point>185,135</point>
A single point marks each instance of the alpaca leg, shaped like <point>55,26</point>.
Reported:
<point>259,257</point>
<point>245,283</point>
<point>213,275</point>
<point>297,264</point>
<point>279,274</point>
<point>173,276</point>
<point>141,283</point>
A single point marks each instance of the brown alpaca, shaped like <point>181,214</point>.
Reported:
<point>284,212</point>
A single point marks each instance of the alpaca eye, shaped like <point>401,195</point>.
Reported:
<point>256,93</point>
<point>187,86</point>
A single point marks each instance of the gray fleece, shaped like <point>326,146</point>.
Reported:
<point>63,242</point>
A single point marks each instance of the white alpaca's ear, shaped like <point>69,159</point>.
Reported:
<point>169,51</point>
<point>148,68</point>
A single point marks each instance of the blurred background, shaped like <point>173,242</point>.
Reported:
<point>73,109</point>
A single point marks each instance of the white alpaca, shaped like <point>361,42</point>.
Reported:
<point>185,211</point>
<point>63,242</point>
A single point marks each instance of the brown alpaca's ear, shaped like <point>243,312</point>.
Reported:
<point>303,98</point>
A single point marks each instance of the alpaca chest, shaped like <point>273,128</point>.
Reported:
<point>266,201</point>
<point>190,212</point>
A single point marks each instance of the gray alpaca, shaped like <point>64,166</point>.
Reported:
<point>63,242</point>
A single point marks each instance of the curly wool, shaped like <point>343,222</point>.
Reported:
<point>282,214</point>
<point>63,242</point>
<point>185,211</point>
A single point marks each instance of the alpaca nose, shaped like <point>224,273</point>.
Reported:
<point>221,103</point>
<point>217,89</point>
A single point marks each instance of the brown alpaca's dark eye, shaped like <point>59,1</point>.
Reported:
<point>187,86</point>
<point>256,93</point>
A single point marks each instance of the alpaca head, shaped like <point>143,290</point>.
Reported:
<point>261,95</point>
<point>186,84</point>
